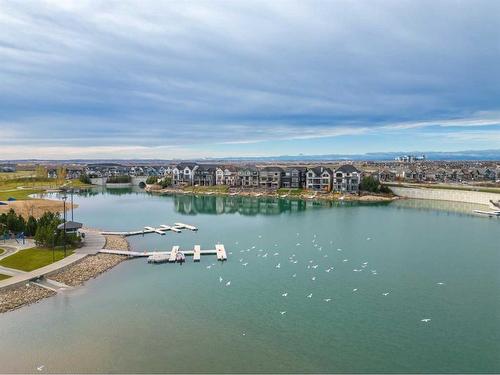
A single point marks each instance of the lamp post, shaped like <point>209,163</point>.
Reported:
<point>71,191</point>
<point>64,197</point>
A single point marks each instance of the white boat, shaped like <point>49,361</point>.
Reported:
<point>488,213</point>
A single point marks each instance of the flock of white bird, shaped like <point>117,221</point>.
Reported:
<point>311,264</point>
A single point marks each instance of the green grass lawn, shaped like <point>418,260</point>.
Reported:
<point>3,277</point>
<point>17,194</point>
<point>2,251</point>
<point>31,259</point>
<point>283,191</point>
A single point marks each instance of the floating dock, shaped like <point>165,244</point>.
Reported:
<point>171,256</point>
<point>161,230</point>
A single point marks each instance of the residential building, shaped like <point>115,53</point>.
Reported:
<point>270,177</point>
<point>347,179</point>
<point>294,178</point>
<point>204,175</point>
<point>183,174</point>
<point>248,177</point>
<point>319,179</point>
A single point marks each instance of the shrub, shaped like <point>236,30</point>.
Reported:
<point>84,179</point>
<point>151,180</point>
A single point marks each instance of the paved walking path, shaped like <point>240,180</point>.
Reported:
<point>92,244</point>
<point>13,246</point>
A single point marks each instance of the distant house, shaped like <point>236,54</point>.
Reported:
<point>294,178</point>
<point>226,176</point>
<point>319,179</point>
<point>204,175</point>
<point>347,179</point>
<point>183,174</point>
<point>270,177</point>
<point>52,173</point>
<point>248,177</point>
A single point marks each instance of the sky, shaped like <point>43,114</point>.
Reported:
<point>195,79</point>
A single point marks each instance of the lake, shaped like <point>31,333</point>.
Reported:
<point>308,287</point>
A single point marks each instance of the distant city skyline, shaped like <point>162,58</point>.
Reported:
<point>169,80</point>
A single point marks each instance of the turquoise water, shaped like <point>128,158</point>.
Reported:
<point>434,259</point>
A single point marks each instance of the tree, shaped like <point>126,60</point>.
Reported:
<point>151,180</point>
<point>368,183</point>
<point>31,226</point>
<point>85,179</point>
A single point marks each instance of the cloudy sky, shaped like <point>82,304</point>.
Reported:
<point>165,79</point>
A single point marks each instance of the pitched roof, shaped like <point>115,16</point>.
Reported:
<point>348,168</point>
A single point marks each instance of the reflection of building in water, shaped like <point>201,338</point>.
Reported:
<point>193,204</point>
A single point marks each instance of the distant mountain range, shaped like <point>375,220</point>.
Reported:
<point>473,155</point>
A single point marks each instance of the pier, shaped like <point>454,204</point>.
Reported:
<point>171,256</point>
<point>161,230</point>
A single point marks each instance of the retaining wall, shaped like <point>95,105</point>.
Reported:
<point>446,194</point>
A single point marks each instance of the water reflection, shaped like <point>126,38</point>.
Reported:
<point>249,206</point>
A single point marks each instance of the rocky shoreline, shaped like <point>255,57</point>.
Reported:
<point>305,195</point>
<point>75,275</point>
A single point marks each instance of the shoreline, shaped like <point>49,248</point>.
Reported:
<point>306,196</point>
<point>73,276</point>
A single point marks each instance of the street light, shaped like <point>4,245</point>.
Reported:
<point>64,197</point>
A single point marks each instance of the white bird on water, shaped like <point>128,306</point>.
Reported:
<point>327,299</point>
<point>297,244</point>
<point>368,238</point>
<point>228,283</point>
<point>345,260</point>
<point>313,278</point>
<point>426,320</point>
<point>208,267</point>
<point>440,283</point>
<point>355,290</point>
<point>282,312</point>
<point>309,295</point>
<point>284,294</point>
<point>278,265</point>
<point>275,254</point>
<point>40,368</point>
<point>264,256</point>
<point>244,264</point>
<point>385,294</point>
<point>315,266</point>
<point>260,236</point>
<point>294,275</point>
<point>220,279</point>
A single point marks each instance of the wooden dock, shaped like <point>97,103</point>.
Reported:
<point>197,253</point>
<point>221,252</point>
<point>171,256</point>
<point>161,230</point>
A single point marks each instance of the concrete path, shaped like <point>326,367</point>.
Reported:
<point>11,246</point>
<point>92,244</point>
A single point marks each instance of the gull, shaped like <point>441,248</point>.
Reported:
<point>248,250</point>
<point>327,299</point>
<point>230,253</point>
<point>284,294</point>
<point>368,238</point>
<point>40,368</point>
<point>426,320</point>
<point>282,312</point>
<point>313,278</point>
<point>228,283</point>
<point>208,267</point>
<point>311,261</point>
<point>243,333</point>
<point>296,262</point>
<point>220,279</point>
<point>339,249</point>
<point>440,283</point>
<point>236,243</point>
<point>325,256</point>
<point>328,270</point>
<point>356,270</point>
<point>241,260</point>
<point>297,244</point>
<point>278,265</point>
<point>315,266</point>
<point>244,264</point>
<point>320,248</point>
<point>260,236</point>
<point>355,290</point>
<point>363,266</point>
<point>276,254</point>
<point>275,245</point>
<point>253,247</point>
<point>264,256</point>
<point>365,263</point>
<point>242,251</point>
<point>345,260</point>
<point>309,295</point>
<point>385,294</point>
<point>308,267</point>
<point>294,275</point>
